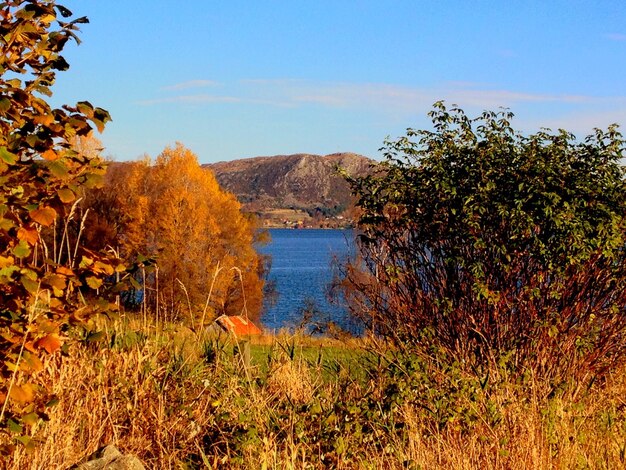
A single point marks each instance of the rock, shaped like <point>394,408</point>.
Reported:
<point>110,458</point>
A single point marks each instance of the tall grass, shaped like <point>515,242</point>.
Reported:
<point>178,399</point>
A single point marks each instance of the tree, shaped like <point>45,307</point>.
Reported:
<point>174,210</point>
<point>484,243</point>
<point>45,278</point>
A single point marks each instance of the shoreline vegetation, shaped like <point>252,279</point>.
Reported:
<point>300,219</point>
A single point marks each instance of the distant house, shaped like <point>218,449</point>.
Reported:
<point>236,324</point>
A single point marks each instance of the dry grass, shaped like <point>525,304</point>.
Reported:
<point>154,395</point>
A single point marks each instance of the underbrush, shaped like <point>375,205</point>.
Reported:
<point>179,400</point>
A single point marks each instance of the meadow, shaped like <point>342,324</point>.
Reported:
<point>179,399</point>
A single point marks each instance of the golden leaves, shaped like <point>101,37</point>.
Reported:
<point>66,195</point>
<point>22,394</point>
<point>43,215</point>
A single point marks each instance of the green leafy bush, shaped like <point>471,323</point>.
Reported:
<point>489,245</point>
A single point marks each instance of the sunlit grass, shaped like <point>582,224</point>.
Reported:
<point>179,399</point>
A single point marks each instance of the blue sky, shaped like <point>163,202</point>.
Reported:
<point>234,79</point>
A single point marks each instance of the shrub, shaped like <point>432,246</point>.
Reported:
<point>46,280</point>
<point>485,244</point>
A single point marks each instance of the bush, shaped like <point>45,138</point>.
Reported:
<point>47,281</point>
<point>485,244</point>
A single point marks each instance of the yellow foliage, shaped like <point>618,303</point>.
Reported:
<point>175,210</point>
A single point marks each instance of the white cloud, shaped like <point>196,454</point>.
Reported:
<point>190,84</point>
<point>394,98</point>
<point>191,99</point>
<point>578,113</point>
<point>581,122</point>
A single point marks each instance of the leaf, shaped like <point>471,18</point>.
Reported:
<point>5,105</point>
<point>56,281</point>
<point>14,427</point>
<point>50,155</point>
<point>44,215</point>
<point>22,250</point>
<point>30,285</point>
<point>6,261</point>
<point>6,224</point>
<point>100,267</point>
<point>94,282</point>
<point>28,234</point>
<point>32,361</point>
<point>85,107</point>
<point>66,195</point>
<point>30,419</point>
<point>95,336</point>
<point>28,442</point>
<point>65,271</point>
<point>94,180</point>
<point>65,13</point>
<point>58,169</point>
<point>22,394</point>
<point>51,343</point>
<point>7,156</point>
<point>53,402</point>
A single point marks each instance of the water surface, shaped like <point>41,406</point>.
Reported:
<point>301,271</point>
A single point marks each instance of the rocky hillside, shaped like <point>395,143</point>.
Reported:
<point>307,185</point>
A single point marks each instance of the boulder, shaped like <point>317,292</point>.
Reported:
<point>110,458</point>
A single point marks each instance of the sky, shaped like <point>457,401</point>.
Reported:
<point>235,79</point>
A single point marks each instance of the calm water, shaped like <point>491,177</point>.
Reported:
<point>301,271</point>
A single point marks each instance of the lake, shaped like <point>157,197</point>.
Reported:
<point>301,271</point>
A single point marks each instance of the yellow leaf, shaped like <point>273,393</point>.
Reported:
<point>30,285</point>
<point>94,282</point>
<point>101,267</point>
<point>47,326</point>
<point>44,215</point>
<point>62,270</point>
<point>55,280</point>
<point>66,195</point>
<point>22,394</point>
<point>5,262</point>
<point>32,361</point>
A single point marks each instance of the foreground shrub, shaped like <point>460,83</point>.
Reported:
<point>46,280</point>
<point>483,244</point>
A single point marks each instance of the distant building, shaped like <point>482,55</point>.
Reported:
<point>236,324</point>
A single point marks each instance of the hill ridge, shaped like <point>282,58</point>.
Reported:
<point>307,184</point>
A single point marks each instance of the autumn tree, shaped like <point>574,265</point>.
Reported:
<point>491,245</point>
<point>46,278</point>
<point>173,209</point>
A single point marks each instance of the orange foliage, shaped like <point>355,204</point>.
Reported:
<point>175,210</point>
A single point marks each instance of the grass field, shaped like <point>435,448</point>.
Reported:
<point>178,399</point>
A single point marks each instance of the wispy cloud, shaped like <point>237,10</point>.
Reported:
<point>616,36</point>
<point>199,99</point>
<point>191,99</point>
<point>190,84</point>
<point>394,98</point>
<point>401,103</point>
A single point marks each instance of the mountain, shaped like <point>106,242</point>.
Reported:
<point>298,189</point>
